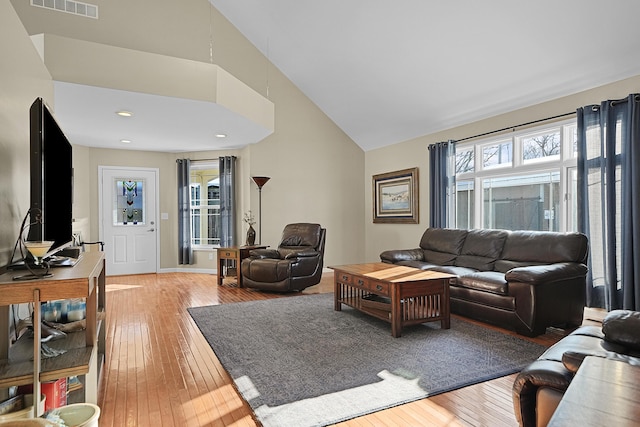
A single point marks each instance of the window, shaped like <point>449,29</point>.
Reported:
<point>465,204</point>
<point>465,160</point>
<point>205,204</point>
<point>525,182</point>
<point>497,155</point>
<point>541,147</point>
<point>522,202</point>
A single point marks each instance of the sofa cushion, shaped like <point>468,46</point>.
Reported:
<point>582,343</point>
<point>442,245</point>
<point>622,327</point>
<point>481,249</point>
<point>462,298</point>
<point>504,265</point>
<point>418,264</point>
<point>452,269</point>
<point>524,248</point>
<point>488,281</point>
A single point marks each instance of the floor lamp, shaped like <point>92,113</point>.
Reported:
<point>260,182</point>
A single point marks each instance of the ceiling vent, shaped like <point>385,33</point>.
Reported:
<point>69,6</point>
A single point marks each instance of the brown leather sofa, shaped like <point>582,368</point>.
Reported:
<point>294,266</point>
<point>520,280</point>
<point>539,387</point>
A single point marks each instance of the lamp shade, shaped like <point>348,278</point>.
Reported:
<point>260,180</point>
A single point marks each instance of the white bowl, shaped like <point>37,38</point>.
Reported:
<point>80,414</point>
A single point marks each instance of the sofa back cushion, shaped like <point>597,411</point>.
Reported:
<point>442,245</point>
<point>524,248</point>
<point>481,249</point>
<point>301,235</point>
<point>623,327</point>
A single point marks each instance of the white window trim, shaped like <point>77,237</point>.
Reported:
<point>203,165</point>
<point>564,164</point>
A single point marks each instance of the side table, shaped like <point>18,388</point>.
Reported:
<point>237,254</point>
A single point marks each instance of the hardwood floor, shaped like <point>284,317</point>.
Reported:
<point>160,371</point>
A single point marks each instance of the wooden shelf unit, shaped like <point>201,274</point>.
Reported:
<point>85,350</point>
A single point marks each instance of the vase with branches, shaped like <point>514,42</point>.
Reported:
<point>251,233</point>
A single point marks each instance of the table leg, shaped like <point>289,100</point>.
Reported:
<point>337,293</point>
<point>220,274</point>
<point>445,306</point>
<point>239,270</point>
<point>396,320</point>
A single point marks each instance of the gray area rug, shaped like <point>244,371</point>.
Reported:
<point>298,362</point>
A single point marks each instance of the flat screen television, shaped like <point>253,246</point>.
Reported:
<point>51,173</point>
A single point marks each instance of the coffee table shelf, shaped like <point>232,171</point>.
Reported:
<point>415,296</point>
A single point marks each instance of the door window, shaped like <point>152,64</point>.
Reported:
<point>129,202</point>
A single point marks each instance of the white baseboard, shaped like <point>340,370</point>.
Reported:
<point>189,270</point>
<point>209,270</point>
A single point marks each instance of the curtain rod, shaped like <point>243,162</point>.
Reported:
<point>199,160</point>
<point>516,126</point>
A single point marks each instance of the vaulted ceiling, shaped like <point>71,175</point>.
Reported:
<point>389,71</point>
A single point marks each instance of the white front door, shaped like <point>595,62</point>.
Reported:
<point>128,219</point>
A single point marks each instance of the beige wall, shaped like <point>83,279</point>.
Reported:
<point>380,237</point>
<point>23,78</point>
<point>316,170</point>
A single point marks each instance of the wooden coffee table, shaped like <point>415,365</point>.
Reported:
<point>397,294</point>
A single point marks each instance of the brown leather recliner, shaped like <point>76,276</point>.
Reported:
<point>294,266</point>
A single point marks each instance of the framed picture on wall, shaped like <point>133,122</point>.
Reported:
<point>395,197</point>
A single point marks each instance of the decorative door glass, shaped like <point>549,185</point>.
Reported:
<point>129,202</point>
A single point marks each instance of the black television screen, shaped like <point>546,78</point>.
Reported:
<point>51,179</point>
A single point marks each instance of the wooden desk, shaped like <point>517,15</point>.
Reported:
<point>237,254</point>
<point>21,364</point>
<point>604,392</point>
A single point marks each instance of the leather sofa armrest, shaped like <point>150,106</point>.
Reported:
<point>540,274</point>
<point>397,255</point>
<point>264,253</point>
<point>539,374</point>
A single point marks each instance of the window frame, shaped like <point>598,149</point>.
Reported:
<point>200,165</point>
<point>518,167</point>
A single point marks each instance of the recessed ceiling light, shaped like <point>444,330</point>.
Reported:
<point>124,113</point>
<point>221,135</point>
<point>125,141</point>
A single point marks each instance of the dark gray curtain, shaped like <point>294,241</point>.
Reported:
<point>441,183</point>
<point>227,170</point>
<point>185,251</point>
<point>609,202</point>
